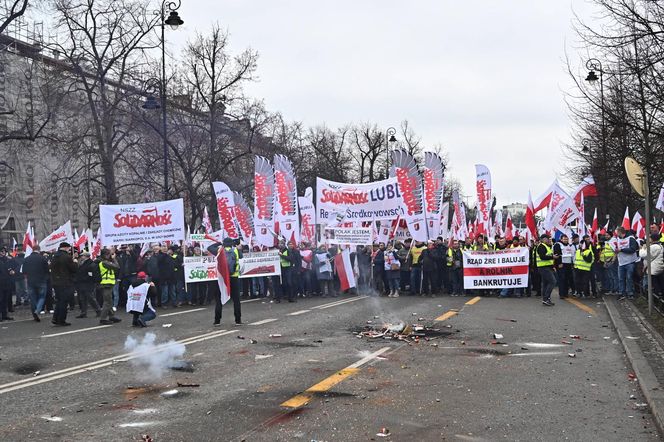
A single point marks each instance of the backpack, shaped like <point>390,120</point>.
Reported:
<point>231,260</point>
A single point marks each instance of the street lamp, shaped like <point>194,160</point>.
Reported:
<point>389,138</point>
<point>594,65</point>
<point>174,21</point>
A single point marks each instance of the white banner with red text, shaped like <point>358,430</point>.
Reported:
<point>256,264</point>
<point>495,269</point>
<point>200,268</point>
<point>61,234</point>
<point>160,221</point>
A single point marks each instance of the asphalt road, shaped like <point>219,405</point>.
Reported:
<point>319,381</point>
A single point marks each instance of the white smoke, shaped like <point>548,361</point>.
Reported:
<point>152,360</point>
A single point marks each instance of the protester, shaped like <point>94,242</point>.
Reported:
<point>323,270</point>
<point>416,267</point>
<point>392,271</point>
<point>167,267</point>
<point>545,263</point>
<point>138,300</point>
<point>6,280</point>
<point>582,268</point>
<point>108,268</point>
<point>627,249</point>
<point>428,258</point>
<point>379,276</point>
<point>63,271</point>
<point>657,260</point>
<point>564,265</point>
<point>86,280</point>
<point>20,290</point>
<point>233,256</point>
<point>455,267</point>
<point>36,272</point>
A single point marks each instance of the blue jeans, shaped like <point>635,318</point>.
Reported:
<point>168,292</point>
<point>626,279</point>
<point>148,315</point>
<point>37,294</point>
<point>612,275</point>
<point>415,280</point>
<point>116,294</point>
<point>182,294</point>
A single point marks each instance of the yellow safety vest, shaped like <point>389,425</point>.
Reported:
<point>450,254</point>
<point>284,261</point>
<point>236,273</point>
<point>544,262</point>
<point>580,263</point>
<point>416,252</point>
<point>484,247</point>
<point>606,253</point>
<point>107,275</point>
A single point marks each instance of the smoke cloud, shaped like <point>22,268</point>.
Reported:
<point>153,359</point>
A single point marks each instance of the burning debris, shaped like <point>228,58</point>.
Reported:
<point>152,360</point>
<point>411,333</point>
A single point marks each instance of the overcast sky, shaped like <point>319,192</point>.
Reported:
<point>485,79</point>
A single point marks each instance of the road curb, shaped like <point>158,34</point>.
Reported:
<point>650,386</point>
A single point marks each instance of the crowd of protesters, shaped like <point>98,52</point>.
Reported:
<point>55,283</point>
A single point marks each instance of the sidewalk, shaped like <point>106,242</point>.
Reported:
<point>644,348</point>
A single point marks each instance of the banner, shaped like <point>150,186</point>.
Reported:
<point>138,223</point>
<point>357,202</point>
<point>445,221</point>
<point>434,186</point>
<point>354,236</point>
<point>562,211</point>
<point>307,217</point>
<point>498,269</point>
<point>286,199</point>
<point>263,202</point>
<point>660,201</point>
<point>244,217</point>
<point>225,209</point>
<point>200,268</point>
<point>409,183</point>
<point>260,264</point>
<point>483,186</point>
<point>61,234</point>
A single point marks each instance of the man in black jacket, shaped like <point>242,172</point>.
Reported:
<point>86,284</point>
<point>63,270</point>
<point>35,269</point>
<point>545,258</point>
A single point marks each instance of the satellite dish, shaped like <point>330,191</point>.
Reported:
<point>635,176</point>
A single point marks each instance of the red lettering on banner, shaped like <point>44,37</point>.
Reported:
<point>495,271</point>
<point>407,187</point>
<point>58,236</point>
<point>146,219</point>
<point>226,217</point>
<point>284,187</point>
<point>565,217</point>
<point>263,191</point>
<point>430,185</point>
<point>344,197</point>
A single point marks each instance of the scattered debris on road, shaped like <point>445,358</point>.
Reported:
<point>506,320</point>
<point>187,384</point>
<point>571,355</point>
<point>274,335</point>
<point>146,438</point>
<point>384,432</point>
<point>52,418</point>
<point>179,365</point>
<point>497,336</point>
<point>167,325</point>
<point>411,333</point>
<point>170,393</point>
<point>259,357</point>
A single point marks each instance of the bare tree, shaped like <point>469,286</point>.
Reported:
<point>16,9</point>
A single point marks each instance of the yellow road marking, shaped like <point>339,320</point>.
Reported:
<point>475,300</point>
<point>446,315</point>
<point>321,387</point>
<point>581,305</point>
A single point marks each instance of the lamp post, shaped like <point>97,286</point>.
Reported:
<point>174,21</point>
<point>389,138</point>
<point>594,65</point>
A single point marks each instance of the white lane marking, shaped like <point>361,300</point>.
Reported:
<point>298,313</point>
<point>250,300</point>
<point>538,353</point>
<point>264,321</point>
<point>342,302</point>
<point>184,311</point>
<point>542,345</point>
<point>368,358</point>
<point>139,424</point>
<point>76,331</point>
<point>5,388</point>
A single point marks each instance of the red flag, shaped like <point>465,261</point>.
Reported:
<point>28,241</point>
<point>639,225</point>
<point>81,240</point>
<point>586,188</point>
<point>625,222</point>
<point>543,201</point>
<point>530,217</point>
<point>344,270</point>
<point>223,277</point>
<point>595,226</point>
<point>509,236</point>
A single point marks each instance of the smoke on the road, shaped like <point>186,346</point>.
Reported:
<point>153,359</point>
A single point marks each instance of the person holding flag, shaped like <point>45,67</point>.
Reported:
<point>228,272</point>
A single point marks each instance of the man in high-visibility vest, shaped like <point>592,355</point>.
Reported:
<point>233,256</point>
<point>582,265</point>
<point>545,260</point>
<point>607,257</point>
<point>655,229</point>
<point>108,268</point>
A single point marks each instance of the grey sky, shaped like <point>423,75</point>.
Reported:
<point>482,78</point>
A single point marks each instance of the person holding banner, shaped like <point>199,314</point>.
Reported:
<point>233,256</point>
<point>392,271</point>
<point>138,300</point>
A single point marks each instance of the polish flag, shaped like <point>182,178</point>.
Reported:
<point>509,236</point>
<point>395,226</point>
<point>544,199</point>
<point>581,222</point>
<point>144,249</point>
<point>207,224</point>
<point>96,247</point>
<point>223,276</point>
<point>344,270</point>
<point>586,188</point>
<point>639,225</point>
<point>660,200</point>
<point>28,241</point>
<point>595,227</point>
<point>530,217</point>
<point>14,247</point>
<point>625,222</point>
<point>79,241</point>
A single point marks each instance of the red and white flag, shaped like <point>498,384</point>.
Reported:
<point>639,225</point>
<point>264,200</point>
<point>544,199</point>
<point>96,247</point>
<point>595,227</point>
<point>307,216</point>
<point>509,236</point>
<point>207,224</point>
<point>223,276</point>
<point>14,247</point>
<point>660,201</point>
<point>625,222</point>
<point>434,187</point>
<point>80,242</point>
<point>28,241</point>
<point>244,218</point>
<point>562,211</point>
<point>483,187</point>
<point>344,270</point>
<point>409,183</point>
<point>59,235</point>
<point>286,204</point>
<point>498,223</point>
<point>586,188</point>
<point>144,249</point>
<point>581,222</point>
<point>530,217</point>
<point>225,209</point>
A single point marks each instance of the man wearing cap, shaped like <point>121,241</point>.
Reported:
<point>108,268</point>
<point>63,270</point>
<point>545,261</point>
<point>86,285</point>
<point>6,274</point>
